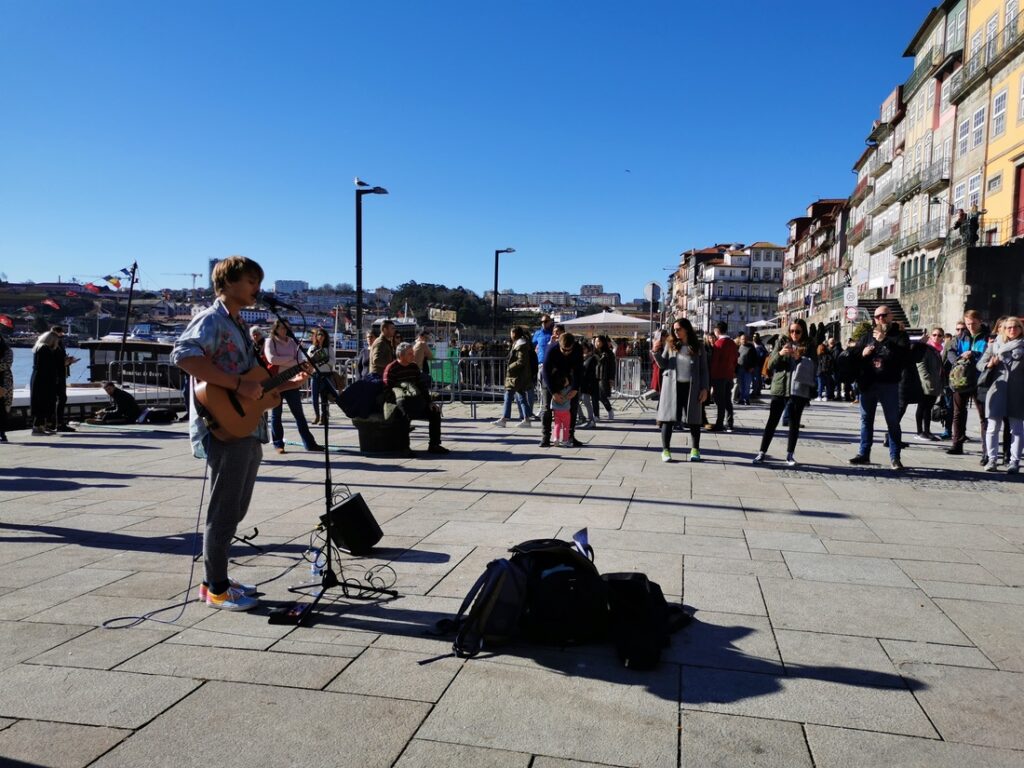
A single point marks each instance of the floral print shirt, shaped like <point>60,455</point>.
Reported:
<point>214,334</point>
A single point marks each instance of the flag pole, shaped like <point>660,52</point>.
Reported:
<point>127,319</point>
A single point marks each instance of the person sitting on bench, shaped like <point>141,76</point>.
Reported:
<point>123,408</point>
<point>405,379</point>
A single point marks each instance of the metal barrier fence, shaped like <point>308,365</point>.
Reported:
<point>631,382</point>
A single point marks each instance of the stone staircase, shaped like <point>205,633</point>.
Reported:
<point>895,310</point>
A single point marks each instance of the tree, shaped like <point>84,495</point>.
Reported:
<point>860,329</point>
<point>344,288</point>
<point>471,309</point>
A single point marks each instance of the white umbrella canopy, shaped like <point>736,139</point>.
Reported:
<point>611,323</point>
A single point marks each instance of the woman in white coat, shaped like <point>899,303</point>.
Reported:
<point>684,386</point>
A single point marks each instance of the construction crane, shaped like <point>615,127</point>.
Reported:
<point>193,275</point>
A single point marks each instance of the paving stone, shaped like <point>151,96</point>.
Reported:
<point>726,640</point>
<point>644,541</point>
<point>782,540</point>
<point>333,729</point>
<point>978,592</point>
<point>934,534</point>
<point>495,534</point>
<point>838,747</point>
<point>842,658</point>
<point>100,648</point>
<point>960,573</point>
<point>435,754</point>
<point>23,640</point>
<point>237,665</point>
<point>845,569</point>
<point>1008,567</point>
<point>557,762</point>
<point>848,609</point>
<point>904,651</point>
<point>725,741</point>
<point>996,629</point>
<point>723,593</point>
<point>803,700</point>
<point>86,696</point>
<point>974,706</point>
<point>51,592</point>
<point>634,722</point>
<point>396,674</point>
<point>898,551</point>
<point>740,567</point>
<point>56,744</point>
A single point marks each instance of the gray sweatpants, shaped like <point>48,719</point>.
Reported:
<point>233,468</point>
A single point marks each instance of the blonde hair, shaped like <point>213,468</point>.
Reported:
<point>47,339</point>
<point>231,270</point>
<point>1008,321</point>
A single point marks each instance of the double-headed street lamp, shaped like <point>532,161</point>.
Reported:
<point>494,298</point>
<point>362,188</point>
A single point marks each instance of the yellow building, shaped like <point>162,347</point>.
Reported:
<point>989,92</point>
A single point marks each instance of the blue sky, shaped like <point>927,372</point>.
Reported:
<point>174,132</point>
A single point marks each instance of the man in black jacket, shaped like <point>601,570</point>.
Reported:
<point>564,358</point>
<point>881,357</point>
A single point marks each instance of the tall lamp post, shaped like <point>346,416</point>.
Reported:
<point>362,188</point>
<point>494,298</point>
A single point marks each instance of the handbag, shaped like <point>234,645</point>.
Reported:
<point>802,383</point>
<point>988,377</point>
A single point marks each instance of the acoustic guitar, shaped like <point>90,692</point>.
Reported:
<point>229,416</point>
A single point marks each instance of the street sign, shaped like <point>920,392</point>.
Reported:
<point>441,315</point>
<point>849,297</point>
<point>851,313</point>
<point>652,292</point>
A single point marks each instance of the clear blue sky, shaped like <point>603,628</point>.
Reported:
<point>174,132</point>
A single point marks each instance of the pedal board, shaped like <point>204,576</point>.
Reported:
<point>290,614</point>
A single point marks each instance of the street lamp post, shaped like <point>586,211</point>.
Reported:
<point>494,298</point>
<point>362,188</point>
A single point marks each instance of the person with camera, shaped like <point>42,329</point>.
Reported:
<point>967,349</point>
<point>794,374</point>
<point>881,357</point>
<point>685,379</point>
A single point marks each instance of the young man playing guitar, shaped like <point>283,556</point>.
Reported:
<point>216,351</point>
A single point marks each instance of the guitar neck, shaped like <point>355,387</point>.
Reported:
<point>275,381</point>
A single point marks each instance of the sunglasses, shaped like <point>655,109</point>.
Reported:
<point>796,330</point>
<point>881,314</point>
<point>937,335</point>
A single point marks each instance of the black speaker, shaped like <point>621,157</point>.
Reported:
<point>353,528</point>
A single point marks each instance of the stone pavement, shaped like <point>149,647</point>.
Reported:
<point>844,616</point>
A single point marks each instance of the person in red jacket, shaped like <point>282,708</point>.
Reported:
<point>724,358</point>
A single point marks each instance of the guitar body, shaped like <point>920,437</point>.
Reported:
<point>229,416</point>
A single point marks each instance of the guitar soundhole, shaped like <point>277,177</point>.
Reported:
<point>235,404</point>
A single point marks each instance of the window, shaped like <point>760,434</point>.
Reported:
<point>1020,93</point>
<point>978,128</point>
<point>756,274</point>
<point>944,94</point>
<point>975,44</point>
<point>958,195</point>
<point>961,137</point>
<point>999,114</point>
<point>974,190</point>
<point>960,30</point>
<point>995,183</point>
<point>931,97</point>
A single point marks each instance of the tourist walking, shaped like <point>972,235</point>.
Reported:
<point>758,381</point>
<point>589,387</point>
<point>6,385</point>
<point>826,371</point>
<point>748,363</point>
<point>793,367</point>
<point>281,352</point>
<point>606,365</point>
<point>363,358</point>
<point>881,357</point>
<point>723,372</point>
<point>965,352</point>
<point>47,370</point>
<point>60,422</point>
<point>382,353</point>
<point>518,379</point>
<point>1003,364</point>
<point>322,388</point>
<point>685,379</point>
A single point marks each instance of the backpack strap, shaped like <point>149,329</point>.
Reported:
<point>447,626</point>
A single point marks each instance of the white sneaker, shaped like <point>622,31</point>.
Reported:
<point>759,459</point>
<point>566,443</point>
<point>790,460</point>
<point>524,423</point>
<point>611,415</point>
<point>500,422</point>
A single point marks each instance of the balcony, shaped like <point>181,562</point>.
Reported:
<point>860,230</point>
<point>884,195</point>
<point>936,176</point>
<point>861,191</point>
<point>909,186</point>
<point>906,242</point>
<point>933,232</point>
<point>882,237</point>
<point>921,73</point>
<point>965,78</point>
<point>919,282</point>
<point>880,162</point>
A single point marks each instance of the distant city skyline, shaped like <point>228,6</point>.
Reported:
<point>599,140</point>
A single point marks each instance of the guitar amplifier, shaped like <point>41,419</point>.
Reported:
<point>353,527</point>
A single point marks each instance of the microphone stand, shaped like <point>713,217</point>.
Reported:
<point>328,578</point>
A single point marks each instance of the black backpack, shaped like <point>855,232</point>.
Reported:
<point>640,619</point>
<point>566,600</point>
<point>495,604</point>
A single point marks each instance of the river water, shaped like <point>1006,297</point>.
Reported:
<point>22,368</point>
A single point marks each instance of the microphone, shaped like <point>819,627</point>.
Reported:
<point>274,303</point>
